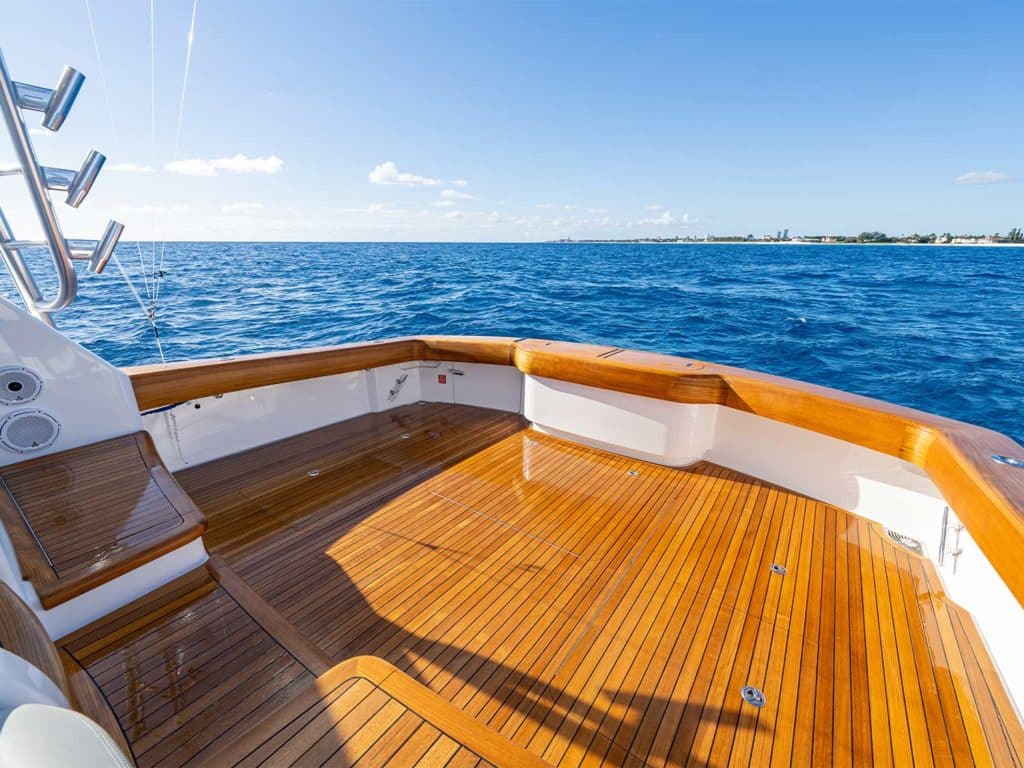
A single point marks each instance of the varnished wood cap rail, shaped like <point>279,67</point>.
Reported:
<point>159,385</point>
<point>987,497</point>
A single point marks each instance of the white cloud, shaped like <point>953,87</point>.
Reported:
<point>453,215</point>
<point>454,194</point>
<point>664,220</point>
<point>460,183</point>
<point>983,177</point>
<point>130,168</point>
<point>492,217</point>
<point>42,132</point>
<point>388,173</point>
<point>238,164</point>
<point>655,208</point>
<point>444,203</point>
<point>545,205</point>
<point>161,209</point>
<point>597,210</point>
<point>242,208</point>
<point>688,220</point>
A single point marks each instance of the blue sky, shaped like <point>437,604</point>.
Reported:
<point>525,121</point>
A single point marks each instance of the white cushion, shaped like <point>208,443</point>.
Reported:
<point>43,736</point>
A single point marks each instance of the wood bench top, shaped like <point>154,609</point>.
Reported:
<point>85,516</point>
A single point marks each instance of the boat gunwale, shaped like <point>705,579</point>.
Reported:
<point>988,497</point>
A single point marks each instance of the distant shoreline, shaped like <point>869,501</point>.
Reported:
<point>780,242</point>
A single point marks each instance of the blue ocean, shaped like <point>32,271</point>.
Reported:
<point>936,328</point>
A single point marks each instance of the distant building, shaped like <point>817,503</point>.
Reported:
<point>785,234</point>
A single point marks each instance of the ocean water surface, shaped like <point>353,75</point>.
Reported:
<point>936,328</point>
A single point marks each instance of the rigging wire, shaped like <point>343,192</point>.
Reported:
<point>150,313</point>
<point>177,133</point>
<point>113,121</point>
<point>152,111</point>
<point>148,310</point>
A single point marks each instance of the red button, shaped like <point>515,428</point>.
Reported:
<point>442,379</point>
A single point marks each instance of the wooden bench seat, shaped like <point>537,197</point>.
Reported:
<point>82,517</point>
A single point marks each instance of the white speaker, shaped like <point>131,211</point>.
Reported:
<point>19,385</point>
<point>28,430</point>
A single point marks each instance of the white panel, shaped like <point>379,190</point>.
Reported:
<point>397,385</point>
<point>236,421</point>
<point>90,398</point>
<point>868,483</point>
<point>977,587</point>
<point>24,683</point>
<point>488,386</point>
<point>79,611</point>
<point>674,434</point>
<point>233,422</point>
<point>432,389</point>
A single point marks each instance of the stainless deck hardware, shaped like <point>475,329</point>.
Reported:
<point>779,569</point>
<point>399,383</point>
<point>753,695</point>
<point>633,473</point>
<point>55,104</point>
<point>907,542</point>
<point>313,473</point>
<point>1007,460</point>
<point>405,435</point>
<point>950,545</point>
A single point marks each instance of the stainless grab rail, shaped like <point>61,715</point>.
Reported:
<point>55,104</point>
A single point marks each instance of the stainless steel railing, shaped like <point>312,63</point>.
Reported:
<point>55,104</point>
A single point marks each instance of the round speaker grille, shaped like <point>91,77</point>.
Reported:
<point>27,431</point>
<point>19,385</point>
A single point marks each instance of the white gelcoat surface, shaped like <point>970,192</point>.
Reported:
<point>868,483</point>
<point>24,683</point>
<point>977,587</point>
<point>674,434</point>
<point>87,607</point>
<point>90,398</point>
<point>236,421</point>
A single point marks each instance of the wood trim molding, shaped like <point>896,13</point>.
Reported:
<point>441,714</point>
<point>445,716</point>
<point>23,634</point>
<point>298,645</point>
<point>988,497</point>
<point>87,698</point>
<point>160,385</point>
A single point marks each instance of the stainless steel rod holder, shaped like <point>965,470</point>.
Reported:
<point>55,104</point>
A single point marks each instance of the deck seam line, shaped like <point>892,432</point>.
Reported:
<point>515,528</point>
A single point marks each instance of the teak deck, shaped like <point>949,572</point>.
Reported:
<point>590,608</point>
<point>81,517</point>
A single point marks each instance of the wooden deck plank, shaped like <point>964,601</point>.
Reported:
<point>589,615</point>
